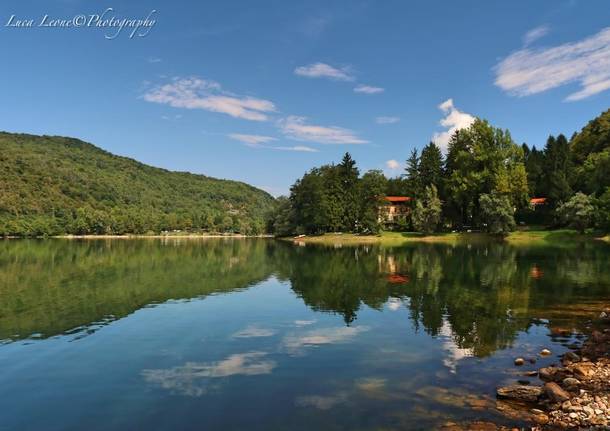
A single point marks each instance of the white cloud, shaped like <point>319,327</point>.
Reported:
<point>393,164</point>
<point>299,148</point>
<point>387,120</point>
<point>154,60</point>
<point>295,127</point>
<point>191,378</point>
<point>323,70</point>
<point>368,89</point>
<point>535,34</point>
<point>251,139</point>
<point>197,93</point>
<point>531,71</point>
<point>454,120</point>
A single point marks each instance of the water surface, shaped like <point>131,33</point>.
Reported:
<point>264,335</point>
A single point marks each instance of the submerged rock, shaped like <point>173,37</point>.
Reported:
<point>518,392</point>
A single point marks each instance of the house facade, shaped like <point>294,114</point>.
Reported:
<point>395,209</point>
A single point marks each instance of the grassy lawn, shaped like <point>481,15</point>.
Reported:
<point>520,237</point>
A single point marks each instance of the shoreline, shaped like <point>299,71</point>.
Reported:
<point>575,392</point>
<point>561,237</point>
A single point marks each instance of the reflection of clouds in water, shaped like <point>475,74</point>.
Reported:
<point>321,402</point>
<point>304,322</point>
<point>371,384</point>
<point>454,352</point>
<point>296,343</point>
<point>394,304</point>
<point>253,331</point>
<point>190,379</point>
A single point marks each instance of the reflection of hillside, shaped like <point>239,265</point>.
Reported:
<point>49,287</point>
<point>484,294</point>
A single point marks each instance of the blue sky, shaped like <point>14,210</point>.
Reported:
<point>263,91</point>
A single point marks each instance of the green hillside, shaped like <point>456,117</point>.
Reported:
<point>55,185</point>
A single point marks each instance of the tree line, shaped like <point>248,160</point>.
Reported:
<point>484,182</point>
<point>55,185</point>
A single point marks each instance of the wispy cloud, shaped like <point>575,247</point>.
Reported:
<point>535,34</point>
<point>197,93</point>
<point>323,70</point>
<point>531,71</point>
<point>387,120</point>
<point>153,60</point>
<point>259,141</point>
<point>368,89</point>
<point>393,164</point>
<point>454,120</point>
<point>296,128</point>
<point>192,378</point>
<point>251,139</point>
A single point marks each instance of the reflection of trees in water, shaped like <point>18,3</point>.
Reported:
<point>49,287</point>
<point>483,292</point>
<point>339,280</point>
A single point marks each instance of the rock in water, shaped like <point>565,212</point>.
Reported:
<point>518,392</point>
<point>519,361</point>
<point>545,352</point>
<point>555,392</point>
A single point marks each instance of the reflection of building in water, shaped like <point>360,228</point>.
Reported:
<point>536,272</point>
<point>394,209</point>
<point>388,265</point>
<point>454,352</point>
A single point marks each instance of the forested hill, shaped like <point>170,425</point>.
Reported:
<point>56,185</point>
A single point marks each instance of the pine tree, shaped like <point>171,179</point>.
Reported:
<point>348,173</point>
<point>430,166</point>
<point>412,174</point>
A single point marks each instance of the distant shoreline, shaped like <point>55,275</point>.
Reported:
<point>143,236</point>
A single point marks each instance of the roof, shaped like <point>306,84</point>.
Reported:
<point>537,201</point>
<point>398,198</point>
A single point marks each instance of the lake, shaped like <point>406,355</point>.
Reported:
<point>257,334</point>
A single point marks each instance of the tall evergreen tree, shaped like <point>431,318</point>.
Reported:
<point>348,173</point>
<point>430,166</point>
<point>557,167</point>
<point>412,174</point>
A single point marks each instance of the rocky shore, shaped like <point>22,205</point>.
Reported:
<point>574,394</point>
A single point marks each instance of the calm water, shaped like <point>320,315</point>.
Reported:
<point>261,335</point>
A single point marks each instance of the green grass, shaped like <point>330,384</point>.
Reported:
<point>561,237</point>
